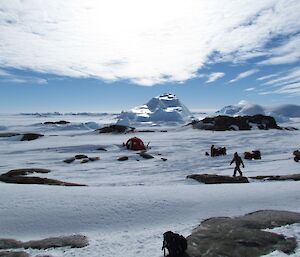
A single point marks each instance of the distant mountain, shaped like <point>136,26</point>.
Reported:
<point>287,110</point>
<point>163,108</point>
<point>281,113</point>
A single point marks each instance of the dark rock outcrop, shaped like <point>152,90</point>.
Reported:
<point>223,123</point>
<point>36,180</point>
<point>69,160</point>
<point>13,254</point>
<point>60,122</point>
<point>81,156</point>
<point>24,172</point>
<point>254,155</point>
<point>101,149</point>
<point>119,129</point>
<point>73,241</point>
<point>18,176</point>
<point>31,136</point>
<point>146,155</point>
<point>25,136</point>
<point>297,155</point>
<point>9,134</point>
<point>217,179</point>
<point>242,236</point>
<point>295,177</point>
<point>123,158</point>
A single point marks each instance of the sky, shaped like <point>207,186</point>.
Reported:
<point>108,56</point>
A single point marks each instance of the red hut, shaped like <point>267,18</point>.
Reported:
<point>135,144</point>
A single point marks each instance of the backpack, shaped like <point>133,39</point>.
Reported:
<point>175,243</point>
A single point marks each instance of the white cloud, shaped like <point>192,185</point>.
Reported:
<point>146,42</point>
<point>269,76</point>
<point>244,75</point>
<point>289,52</point>
<point>8,77</point>
<point>250,89</point>
<point>290,77</point>
<point>215,76</point>
<point>4,73</point>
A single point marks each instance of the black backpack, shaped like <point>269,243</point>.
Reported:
<point>175,243</point>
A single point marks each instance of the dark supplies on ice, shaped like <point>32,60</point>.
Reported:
<point>176,244</point>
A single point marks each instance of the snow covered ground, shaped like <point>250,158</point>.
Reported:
<point>129,205</point>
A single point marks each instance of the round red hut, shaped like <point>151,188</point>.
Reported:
<point>135,144</point>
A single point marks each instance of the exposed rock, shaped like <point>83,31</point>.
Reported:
<point>24,172</point>
<point>7,243</point>
<point>256,155</point>
<point>69,160</point>
<point>101,149</point>
<point>164,159</point>
<point>73,241</point>
<point>31,136</point>
<point>297,155</point>
<point>223,123</point>
<point>81,156</point>
<point>217,179</point>
<point>123,158</point>
<point>36,180</point>
<point>116,129</point>
<point>84,160</point>
<point>92,159</point>
<point>61,122</point>
<point>9,134</point>
<point>242,236</point>
<point>295,177</point>
<point>146,155</point>
<point>13,254</point>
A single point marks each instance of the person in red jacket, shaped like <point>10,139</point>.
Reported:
<point>238,161</point>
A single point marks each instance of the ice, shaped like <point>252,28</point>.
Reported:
<point>281,113</point>
<point>163,108</point>
<point>127,206</point>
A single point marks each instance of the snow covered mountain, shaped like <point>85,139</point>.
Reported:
<point>163,108</point>
<point>280,113</point>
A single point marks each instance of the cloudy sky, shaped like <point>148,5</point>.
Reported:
<point>97,55</point>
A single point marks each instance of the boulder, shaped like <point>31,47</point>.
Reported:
<point>217,179</point>
<point>164,159</point>
<point>31,136</point>
<point>223,123</point>
<point>81,156</point>
<point>13,254</point>
<point>242,236</point>
<point>9,134</point>
<point>295,177</point>
<point>101,149</point>
<point>146,155</point>
<point>73,241</point>
<point>297,155</point>
<point>24,172</point>
<point>92,159</point>
<point>123,158</point>
<point>254,155</point>
<point>119,129</point>
<point>69,160</point>
<point>61,122</point>
<point>7,243</point>
<point>36,180</point>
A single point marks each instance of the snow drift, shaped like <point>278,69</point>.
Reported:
<point>163,108</point>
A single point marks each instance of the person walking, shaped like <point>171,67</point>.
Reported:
<point>238,161</point>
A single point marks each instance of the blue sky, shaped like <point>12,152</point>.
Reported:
<point>92,56</point>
